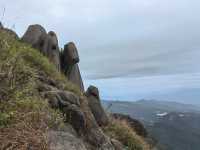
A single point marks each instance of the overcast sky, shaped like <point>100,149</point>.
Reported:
<point>130,49</point>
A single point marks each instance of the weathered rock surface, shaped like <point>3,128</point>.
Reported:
<point>76,117</point>
<point>84,113</point>
<point>52,49</point>
<point>66,61</point>
<point>117,144</point>
<point>71,54</point>
<point>36,36</point>
<point>95,105</point>
<point>65,140</point>
<point>69,64</point>
<point>93,133</point>
<point>77,112</point>
<point>75,77</point>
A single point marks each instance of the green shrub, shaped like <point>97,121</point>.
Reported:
<point>121,131</point>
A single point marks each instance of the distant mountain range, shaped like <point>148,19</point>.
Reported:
<point>173,125</point>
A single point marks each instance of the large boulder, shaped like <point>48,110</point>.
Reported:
<point>64,139</point>
<point>92,132</point>
<point>36,37</point>
<point>62,99</point>
<point>71,54</point>
<point>69,104</point>
<point>92,90</point>
<point>52,49</point>
<point>75,77</point>
<point>101,117</point>
<point>75,117</point>
<point>69,65</point>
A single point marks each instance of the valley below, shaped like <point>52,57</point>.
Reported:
<point>172,125</point>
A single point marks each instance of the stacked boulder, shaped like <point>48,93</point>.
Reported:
<point>101,117</point>
<point>47,43</point>
<point>83,112</point>
<point>38,38</point>
<point>69,104</point>
<point>69,64</point>
<point>52,49</point>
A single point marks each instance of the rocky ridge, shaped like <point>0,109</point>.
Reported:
<point>75,108</point>
<point>82,111</point>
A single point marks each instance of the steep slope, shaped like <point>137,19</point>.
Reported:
<point>41,109</point>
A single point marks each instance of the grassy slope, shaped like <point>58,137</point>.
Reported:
<point>25,116</point>
<point>121,130</point>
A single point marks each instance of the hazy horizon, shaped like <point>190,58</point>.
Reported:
<point>131,50</point>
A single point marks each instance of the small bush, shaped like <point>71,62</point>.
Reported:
<point>121,131</point>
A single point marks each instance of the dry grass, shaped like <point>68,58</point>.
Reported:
<point>25,116</point>
<point>121,131</point>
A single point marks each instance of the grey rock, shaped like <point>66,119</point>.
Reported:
<point>69,58</point>
<point>92,132</point>
<point>96,107</point>
<point>54,102</point>
<point>75,77</point>
<point>62,98</point>
<point>117,144</point>
<point>97,138</point>
<point>70,53</point>
<point>75,117</point>
<point>59,140</point>
<point>36,36</point>
<point>53,99</point>
<point>92,90</point>
<point>69,97</point>
<point>52,49</point>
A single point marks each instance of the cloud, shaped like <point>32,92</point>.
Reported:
<point>162,87</point>
<point>123,40</point>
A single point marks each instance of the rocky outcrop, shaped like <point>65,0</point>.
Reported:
<point>69,65</point>
<point>66,61</point>
<point>36,36</point>
<point>84,113</point>
<point>65,139</point>
<point>52,49</point>
<point>135,124</point>
<point>92,94</point>
<point>77,112</point>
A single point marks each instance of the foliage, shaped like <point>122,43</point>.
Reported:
<point>25,116</point>
<point>121,131</point>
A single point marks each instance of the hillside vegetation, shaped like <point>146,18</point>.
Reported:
<point>25,114</point>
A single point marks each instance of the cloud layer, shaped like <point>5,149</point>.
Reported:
<point>121,41</point>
